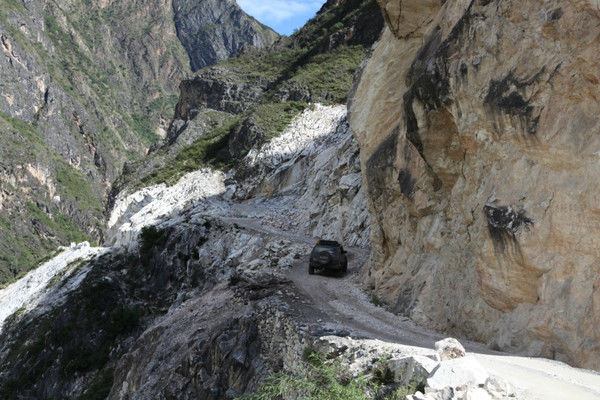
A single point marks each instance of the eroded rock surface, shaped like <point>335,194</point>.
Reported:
<point>478,123</point>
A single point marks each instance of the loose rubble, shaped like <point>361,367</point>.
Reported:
<point>460,377</point>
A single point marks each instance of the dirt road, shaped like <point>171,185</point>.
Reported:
<point>341,303</point>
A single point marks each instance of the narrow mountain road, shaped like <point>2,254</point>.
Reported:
<point>349,308</point>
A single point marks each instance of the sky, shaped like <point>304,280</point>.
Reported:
<point>282,15</point>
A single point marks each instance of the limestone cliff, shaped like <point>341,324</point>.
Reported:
<point>478,127</point>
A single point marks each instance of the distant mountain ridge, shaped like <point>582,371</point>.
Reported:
<point>215,30</point>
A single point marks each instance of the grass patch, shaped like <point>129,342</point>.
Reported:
<point>327,380</point>
<point>201,153</point>
<point>376,300</point>
<point>330,75</point>
<point>320,380</point>
<point>73,185</point>
<point>271,119</point>
<point>61,225</point>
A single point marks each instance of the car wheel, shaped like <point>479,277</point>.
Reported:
<point>311,270</point>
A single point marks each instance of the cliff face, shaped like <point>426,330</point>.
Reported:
<point>478,127</point>
<point>215,30</point>
<point>86,86</point>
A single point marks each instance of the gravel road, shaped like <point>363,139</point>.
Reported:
<point>341,304</point>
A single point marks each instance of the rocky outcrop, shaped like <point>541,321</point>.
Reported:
<point>461,378</point>
<point>320,145</point>
<point>215,30</point>
<point>477,126</point>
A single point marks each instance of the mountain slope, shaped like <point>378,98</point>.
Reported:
<point>86,86</point>
<point>215,30</point>
<point>180,260</point>
<point>83,90</point>
<point>225,110</point>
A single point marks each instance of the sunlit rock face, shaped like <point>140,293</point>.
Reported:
<point>215,30</point>
<point>478,127</point>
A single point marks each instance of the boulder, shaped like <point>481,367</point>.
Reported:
<point>457,373</point>
<point>449,348</point>
<point>413,369</point>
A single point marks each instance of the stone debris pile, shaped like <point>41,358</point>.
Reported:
<point>455,376</point>
<point>446,373</point>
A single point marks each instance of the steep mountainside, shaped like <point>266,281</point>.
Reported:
<point>85,87</point>
<point>215,30</point>
<point>193,281</point>
<point>478,126</point>
<point>225,110</point>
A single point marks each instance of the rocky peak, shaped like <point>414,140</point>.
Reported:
<point>215,30</point>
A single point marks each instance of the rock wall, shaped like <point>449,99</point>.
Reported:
<point>478,128</point>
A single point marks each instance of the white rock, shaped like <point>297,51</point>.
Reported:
<point>459,372</point>
<point>498,387</point>
<point>449,348</point>
<point>477,394</point>
<point>418,396</point>
<point>30,288</point>
<point>148,206</point>
<point>411,369</point>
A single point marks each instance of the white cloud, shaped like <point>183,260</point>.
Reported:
<point>279,10</point>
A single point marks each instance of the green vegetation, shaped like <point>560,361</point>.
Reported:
<point>203,152</point>
<point>72,185</point>
<point>320,381</point>
<point>61,225</point>
<point>330,75</point>
<point>140,124</point>
<point>272,118</point>
<point>376,300</point>
<point>326,380</point>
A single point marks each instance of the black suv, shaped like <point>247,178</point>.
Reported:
<point>328,255</point>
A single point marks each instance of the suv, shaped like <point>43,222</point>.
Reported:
<point>328,255</point>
